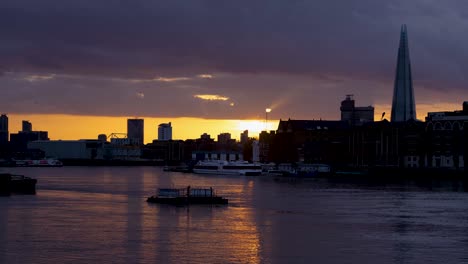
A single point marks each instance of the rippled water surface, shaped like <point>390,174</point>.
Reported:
<point>99,215</point>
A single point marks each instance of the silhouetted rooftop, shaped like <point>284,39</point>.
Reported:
<point>297,125</point>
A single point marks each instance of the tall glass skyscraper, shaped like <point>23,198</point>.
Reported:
<point>403,107</point>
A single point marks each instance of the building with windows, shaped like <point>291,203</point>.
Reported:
<point>67,149</point>
<point>135,131</point>
<point>26,126</point>
<point>165,131</point>
<point>169,151</point>
<point>244,137</point>
<point>255,151</point>
<point>354,115</point>
<point>265,141</point>
<point>447,138</point>
<point>310,141</point>
<point>224,138</point>
<point>225,142</point>
<point>19,141</point>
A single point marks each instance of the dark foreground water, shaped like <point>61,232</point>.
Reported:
<point>99,215</point>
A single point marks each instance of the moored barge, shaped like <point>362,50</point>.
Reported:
<point>11,183</point>
<point>184,196</point>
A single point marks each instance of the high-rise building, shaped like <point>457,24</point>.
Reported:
<point>3,129</point>
<point>255,151</point>
<point>224,138</point>
<point>165,131</point>
<point>225,142</point>
<point>403,107</point>
<point>27,126</point>
<point>355,115</point>
<point>135,131</point>
<point>20,140</point>
<point>244,137</point>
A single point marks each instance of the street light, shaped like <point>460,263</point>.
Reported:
<point>268,110</point>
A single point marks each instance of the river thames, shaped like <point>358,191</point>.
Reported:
<point>99,215</point>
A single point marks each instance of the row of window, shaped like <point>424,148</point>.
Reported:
<point>242,167</point>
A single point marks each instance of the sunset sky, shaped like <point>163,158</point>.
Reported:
<point>80,68</point>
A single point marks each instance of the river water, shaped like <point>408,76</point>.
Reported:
<point>99,215</point>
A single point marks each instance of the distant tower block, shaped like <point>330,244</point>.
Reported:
<point>165,131</point>
<point>135,131</point>
<point>244,137</point>
<point>4,135</point>
<point>403,107</point>
<point>355,115</point>
<point>26,126</point>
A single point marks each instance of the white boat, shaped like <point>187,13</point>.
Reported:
<point>221,167</point>
<point>39,163</point>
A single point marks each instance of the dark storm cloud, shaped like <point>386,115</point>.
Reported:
<point>289,51</point>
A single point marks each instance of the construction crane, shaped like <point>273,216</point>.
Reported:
<point>117,135</point>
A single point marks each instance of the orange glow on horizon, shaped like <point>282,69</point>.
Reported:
<point>421,109</point>
<point>73,127</point>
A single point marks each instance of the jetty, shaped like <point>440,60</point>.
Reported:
<point>185,196</point>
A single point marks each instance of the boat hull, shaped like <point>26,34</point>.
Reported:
<point>220,167</point>
<point>38,163</point>
<point>228,172</point>
<point>187,200</point>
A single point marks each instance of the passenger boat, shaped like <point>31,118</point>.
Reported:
<point>39,163</point>
<point>221,167</point>
<point>183,196</point>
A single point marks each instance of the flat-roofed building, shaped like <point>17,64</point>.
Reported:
<point>165,131</point>
<point>135,130</point>
<point>355,115</point>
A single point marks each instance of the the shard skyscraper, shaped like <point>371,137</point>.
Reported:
<point>403,107</point>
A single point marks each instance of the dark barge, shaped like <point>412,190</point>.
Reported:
<point>11,183</point>
<point>185,196</point>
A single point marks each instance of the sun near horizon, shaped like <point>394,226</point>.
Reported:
<point>74,127</point>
